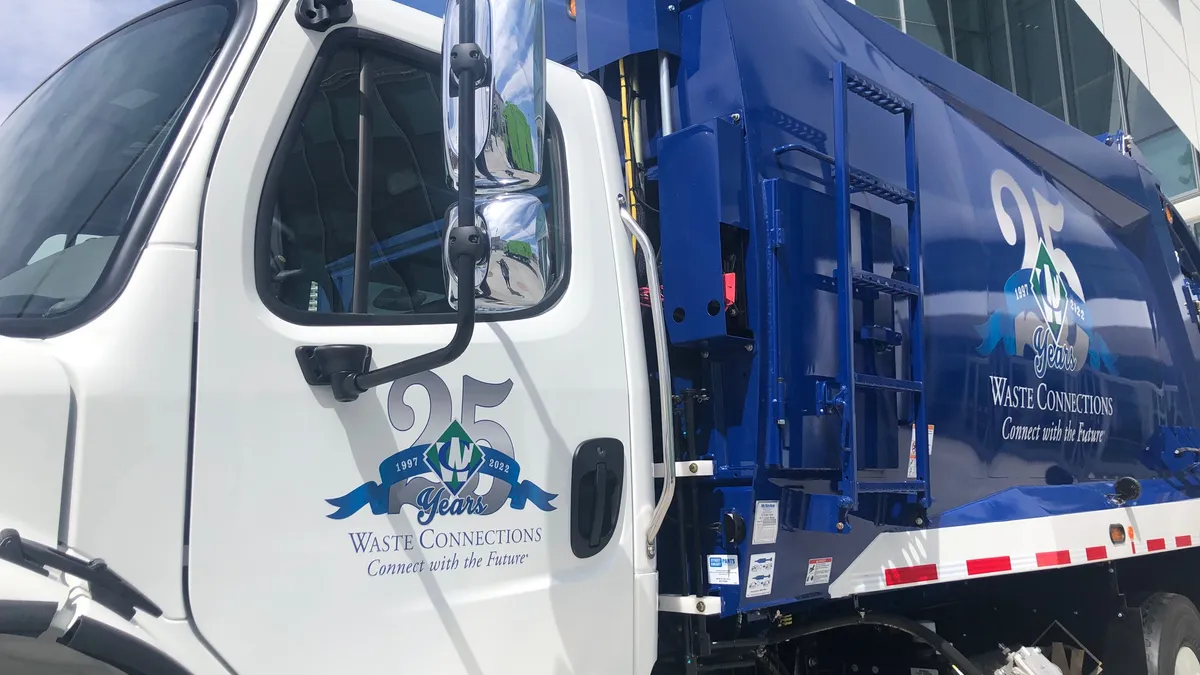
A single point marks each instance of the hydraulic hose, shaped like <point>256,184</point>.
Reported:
<point>900,623</point>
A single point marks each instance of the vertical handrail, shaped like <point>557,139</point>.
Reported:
<point>845,283</point>
<point>664,381</point>
<point>916,316</point>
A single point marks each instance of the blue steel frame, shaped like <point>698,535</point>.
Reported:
<point>849,279</point>
<point>769,64</point>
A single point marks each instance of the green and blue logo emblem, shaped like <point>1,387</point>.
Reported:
<point>441,477</point>
<point>1044,307</point>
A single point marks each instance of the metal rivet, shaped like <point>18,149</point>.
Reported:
<point>670,8</point>
<point>694,467</point>
<point>736,117</point>
<point>700,606</point>
<point>704,355</point>
<point>841,526</point>
<point>749,348</point>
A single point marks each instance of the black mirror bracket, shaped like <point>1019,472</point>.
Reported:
<point>321,15</point>
<point>345,369</point>
<point>468,58</point>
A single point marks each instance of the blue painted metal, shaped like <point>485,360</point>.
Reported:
<point>613,29</point>
<point>771,424</point>
<point>847,376</point>
<point>792,187</point>
<point>1175,451</point>
<point>850,279</point>
<point>700,191</point>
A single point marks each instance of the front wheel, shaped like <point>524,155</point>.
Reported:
<point>1172,631</point>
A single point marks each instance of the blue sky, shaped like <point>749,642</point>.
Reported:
<point>52,31</point>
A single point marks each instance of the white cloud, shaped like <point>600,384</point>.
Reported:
<point>50,32</point>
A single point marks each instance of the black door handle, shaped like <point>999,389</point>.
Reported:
<point>597,477</point>
<point>601,489</point>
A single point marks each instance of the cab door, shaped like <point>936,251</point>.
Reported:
<point>427,526</point>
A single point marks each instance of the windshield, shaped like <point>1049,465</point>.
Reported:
<point>77,157</point>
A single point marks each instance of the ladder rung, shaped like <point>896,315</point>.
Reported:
<point>876,93</point>
<point>902,487</point>
<point>861,181</point>
<point>879,283</point>
<point>887,383</point>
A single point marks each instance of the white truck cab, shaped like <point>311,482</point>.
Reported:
<point>172,252</point>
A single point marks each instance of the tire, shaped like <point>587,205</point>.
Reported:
<point>1171,627</point>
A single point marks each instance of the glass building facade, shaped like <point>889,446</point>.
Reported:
<point>1049,53</point>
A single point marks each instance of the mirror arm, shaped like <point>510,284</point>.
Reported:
<point>464,244</point>
<point>350,377</point>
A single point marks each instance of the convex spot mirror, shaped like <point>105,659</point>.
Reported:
<point>514,273</point>
<point>510,101</point>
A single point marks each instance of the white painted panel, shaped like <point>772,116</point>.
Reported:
<point>1166,23</point>
<point>1190,14</point>
<point>1123,23</point>
<point>35,404</point>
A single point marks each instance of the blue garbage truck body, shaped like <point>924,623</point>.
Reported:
<point>860,237</point>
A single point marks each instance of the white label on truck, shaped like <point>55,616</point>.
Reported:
<point>766,522</point>
<point>761,574</point>
<point>912,451</point>
<point>723,570</point>
<point>819,570</point>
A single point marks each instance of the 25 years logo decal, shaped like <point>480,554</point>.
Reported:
<point>441,473</point>
<point>1045,305</point>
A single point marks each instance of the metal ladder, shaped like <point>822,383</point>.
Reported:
<point>851,280</point>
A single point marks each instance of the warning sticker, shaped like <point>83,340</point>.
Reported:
<point>912,450</point>
<point>723,570</point>
<point>761,574</point>
<point>766,522</point>
<point>819,570</point>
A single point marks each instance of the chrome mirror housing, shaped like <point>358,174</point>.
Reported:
<point>509,103</point>
<point>514,274</point>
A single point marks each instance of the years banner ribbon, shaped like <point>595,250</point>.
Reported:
<point>1018,292</point>
<point>410,463</point>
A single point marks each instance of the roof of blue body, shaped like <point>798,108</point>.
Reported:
<point>1074,150</point>
<point>1071,155</point>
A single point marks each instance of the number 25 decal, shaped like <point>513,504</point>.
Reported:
<point>441,472</point>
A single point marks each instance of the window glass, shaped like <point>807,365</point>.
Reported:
<point>1166,150</point>
<point>79,154</point>
<point>1169,155</point>
<point>929,22</point>
<point>1092,83</point>
<point>888,10</point>
<point>981,39</point>
<point>314,226</point>
<point>1035,54</point>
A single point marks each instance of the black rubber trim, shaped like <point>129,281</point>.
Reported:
<point>119,649</point>
<point>26,618</point>
<point>117,272</point>
<point>423,58</point>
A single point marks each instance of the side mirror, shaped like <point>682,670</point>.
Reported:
<point>510,101</point>
<point>493,98</point>
<point>513,275</point>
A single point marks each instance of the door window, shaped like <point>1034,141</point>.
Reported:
<point>309,226</point>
